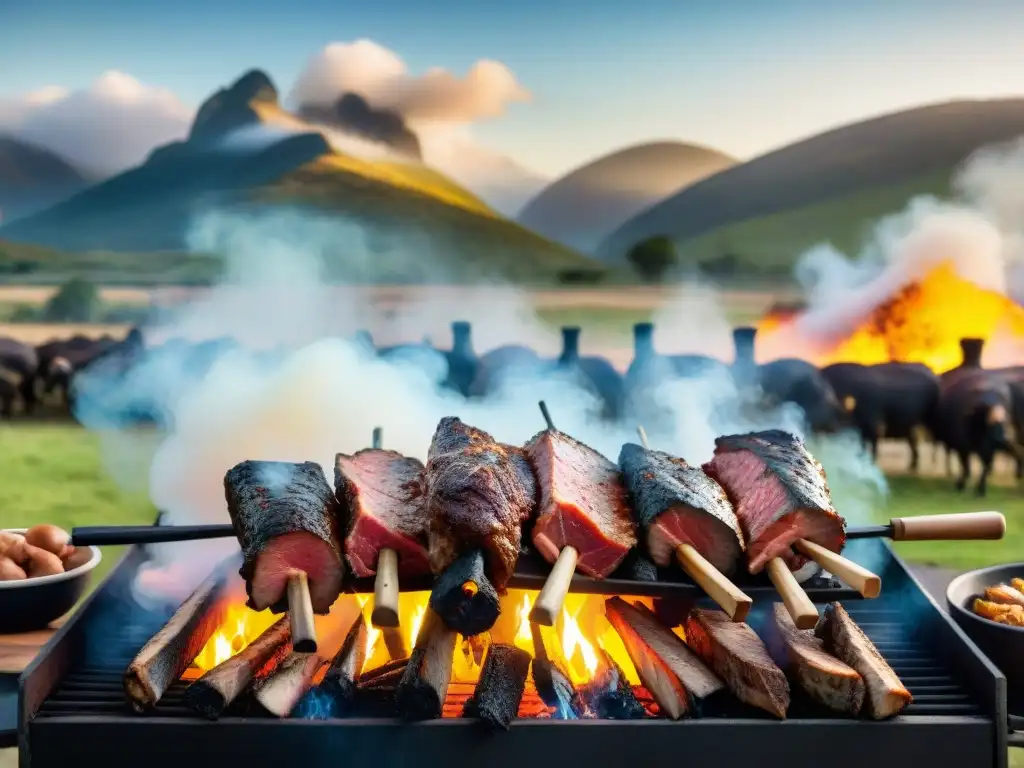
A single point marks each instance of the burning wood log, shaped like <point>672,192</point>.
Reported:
<point>286,519</point>
<point>553,683</point>
<point>500,688</point>
<point>395,644</point>
<point>610,696</point>
<point>342,675</point>
<point>212,693</point>
<point>464,597</point>
<point>170,651</point>
<point>278,693</point>
<point>677,679</point>
<point>583,520</point>
<point>421,691</point>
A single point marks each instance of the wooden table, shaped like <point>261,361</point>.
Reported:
<point>16,653</point>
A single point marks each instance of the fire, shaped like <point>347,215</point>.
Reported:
<point>922,323</point>
<point>576,641</point>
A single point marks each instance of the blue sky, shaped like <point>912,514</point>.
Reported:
<point>741,75</point>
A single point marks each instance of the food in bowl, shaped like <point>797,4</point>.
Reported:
<point>43,550</point>
<point>1002,603</point>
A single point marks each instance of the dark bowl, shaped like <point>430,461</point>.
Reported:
<point>30,604</point>
<point>1003,644</point>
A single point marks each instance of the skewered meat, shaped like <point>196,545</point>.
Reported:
<point>285,518</point>
<point>780,494</point>
<point>582,504</point>
<point>478,494</point>
<point>739,657</point>
<point>886,695</point>
<point>386,510</point>
<point>825,678</point>
<point>676,503</point>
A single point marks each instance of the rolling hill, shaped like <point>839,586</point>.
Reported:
<point>33,178</point>
<point>828,187</point>
<point>245,152</point>
<point>581,208</point>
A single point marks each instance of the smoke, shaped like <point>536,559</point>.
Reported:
<point>283,381</point>
<point>980,230</point>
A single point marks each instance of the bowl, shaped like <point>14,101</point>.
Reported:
<point>1003,644</point>
<point>30,604</point>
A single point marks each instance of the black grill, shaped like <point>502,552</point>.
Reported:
<point>72,708</point>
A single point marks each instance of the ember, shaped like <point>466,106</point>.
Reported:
<point>922,323</point>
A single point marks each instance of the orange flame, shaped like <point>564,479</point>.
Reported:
<point>922,323</point>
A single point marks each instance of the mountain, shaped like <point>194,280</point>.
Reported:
<point>581,208</point>
<point>245,152</point>
<point>828,187</point>
<point>353,114</point>
<point>33,178</point>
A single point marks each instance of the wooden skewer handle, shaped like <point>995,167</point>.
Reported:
<point>799,605</point>
<point>300,613</point>
<point>961,526</point>
<point>552,594</point>
<point>861,579</point>
<point>729,597</point>
<point>385,590</point>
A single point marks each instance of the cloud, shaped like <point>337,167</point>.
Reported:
<point>382,78</point>
<point>108,127</point>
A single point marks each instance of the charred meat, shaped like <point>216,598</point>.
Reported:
<point>383,491</point>
<point>285,517</point>
<point>780,494</point>
<point>478,493</point>
<point>841,637</point>
<point>582,504</point>
<point>676,503</point>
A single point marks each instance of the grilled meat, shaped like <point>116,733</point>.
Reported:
<point>285,517</point>
<point>780,494</point>
<point>582,504</point>
<point>1004,594</point>
<point>739,657</point>
<point>841,637</point>
<point>825,678</point>
<point>676,503</point>
<point>383,491</point>
<point>478,493</point>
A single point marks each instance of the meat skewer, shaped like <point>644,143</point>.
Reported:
<point>170,651</point>
<point>679,509</point>
<point>285,516</point>
<point>583,520</point>
<point>383,492</point>
<point>478,494</point>
<point>212,693</point>
<point>780,495</point>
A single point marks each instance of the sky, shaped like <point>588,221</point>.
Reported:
<point>742,76</point>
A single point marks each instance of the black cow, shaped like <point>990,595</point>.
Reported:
<point>20,363</point>
<point>887,400</point>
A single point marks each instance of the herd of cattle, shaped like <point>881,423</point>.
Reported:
<point>969,410</point>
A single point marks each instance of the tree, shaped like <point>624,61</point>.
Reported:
<point>653,257</point>
<point>77,301</point>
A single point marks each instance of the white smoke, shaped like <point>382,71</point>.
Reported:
<point>298,390</point>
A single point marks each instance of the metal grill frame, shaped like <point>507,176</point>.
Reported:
<point>127,740</point>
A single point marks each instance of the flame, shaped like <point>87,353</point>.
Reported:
<point>575,642</point>
<point>922,323</point>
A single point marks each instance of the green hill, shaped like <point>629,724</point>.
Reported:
<point>33,178</point>
<point>832,187</point>
<point>245,153</point>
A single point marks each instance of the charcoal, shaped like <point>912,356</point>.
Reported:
<point>464,597</point>
<point>499,690</point>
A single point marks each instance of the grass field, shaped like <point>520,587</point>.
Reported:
<point>57,473</point>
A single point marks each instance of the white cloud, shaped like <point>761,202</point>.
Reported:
<point>109,126</point>
<point>381,77</point>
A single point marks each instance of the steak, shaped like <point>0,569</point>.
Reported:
<point>739,657</point>
<point>383,491</point>
<point>583,504</point>
<point>780,494</point>
<point>825,678</point>
<point>841,637</point>
<point>286,518</point>
<point>676,503</point>
<point>478,493</point>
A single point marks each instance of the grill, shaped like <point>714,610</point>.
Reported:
<point>72,707</point>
